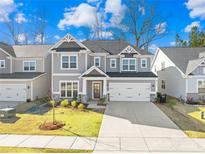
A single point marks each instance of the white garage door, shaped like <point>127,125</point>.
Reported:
<point>129,91</point>
<point>13,92</point>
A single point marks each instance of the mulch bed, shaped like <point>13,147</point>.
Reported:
<point>51,125</point>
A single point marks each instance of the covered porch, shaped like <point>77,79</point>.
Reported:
<point>94,84</point>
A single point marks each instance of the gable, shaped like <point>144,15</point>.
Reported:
<point>94,73</point>
<point>68,44</point>
<point>129,50</point>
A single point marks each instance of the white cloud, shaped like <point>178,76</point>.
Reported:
<point>38,38</point>
<point>152,48</point>
<point>6,8</point>
<point>20,18</point>
<point>117,10</point>
<point>193,24</point>
<point>161,28</point>
<point>83,15</point>
<point>173,43</point>
<point>21,37</point>
<point>197,8</point>
<point>57,37</point>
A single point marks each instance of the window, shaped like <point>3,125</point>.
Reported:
<point>69,62</point>
<point>143,63</point>
<point>162,65</point>
<point>112,63</point>
<point>201,86</point>
<point>29,66</point>
<point>69,89</point>
<point>163,84</point>
<point>128,64</point>
<point>97,61</point>
<point>2,63</point>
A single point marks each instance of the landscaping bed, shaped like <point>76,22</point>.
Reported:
<point>179,114</point>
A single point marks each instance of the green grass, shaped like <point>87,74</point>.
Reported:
<point>180,115</point>
<point>81,123</point>
<point>39,150</point>
<point>197,115</point>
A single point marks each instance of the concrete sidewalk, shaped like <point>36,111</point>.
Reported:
<point>103,144</point>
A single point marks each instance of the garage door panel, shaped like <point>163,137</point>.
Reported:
<point>13,92</point>
<point>129,91</point>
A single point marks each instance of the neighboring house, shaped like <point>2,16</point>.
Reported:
<point>97,69</point>
<point>181,72</point>
<point>24,72</point>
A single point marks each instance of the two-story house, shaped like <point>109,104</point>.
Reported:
<point>101,68</point>
<point>181,72</point>
<point>24,72</point>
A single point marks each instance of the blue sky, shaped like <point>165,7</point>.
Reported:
<point>178,15</point>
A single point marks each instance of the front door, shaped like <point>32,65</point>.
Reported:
<point>96,90</point>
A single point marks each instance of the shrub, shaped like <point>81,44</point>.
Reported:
<point>81,106</point>
<point>74,103</point>
<point>64,103</point>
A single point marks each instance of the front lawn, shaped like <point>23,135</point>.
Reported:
<point>39,150</point>
<point>80,123</point>
<point>179,114</point>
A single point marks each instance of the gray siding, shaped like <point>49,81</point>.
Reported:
<point>91,62</point>
<point>140,69</point>
<point>18,64</point>
<point>5,57</point>
<point>117,69</point>
<point>41,87</point>
<point>57,64</point>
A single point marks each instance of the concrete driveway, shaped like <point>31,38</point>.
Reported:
<point>141,126</point>
<point>137,119</point>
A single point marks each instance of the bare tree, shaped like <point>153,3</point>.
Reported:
<point>14,32</point>
<point>39,26</point>
<point>144,23</point>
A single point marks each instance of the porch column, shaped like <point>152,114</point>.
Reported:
<point>84,86</point>
<point>104,87</point>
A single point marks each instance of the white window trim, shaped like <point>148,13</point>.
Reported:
<point>114,62</point>
<point>145,63</point>
<point>3,63</point>
<point>29,61</point>
<point>66,81</point>
<point>197,86</point>
<point>128,64</point>
<point>69,62</point>
<point>99,61</point>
